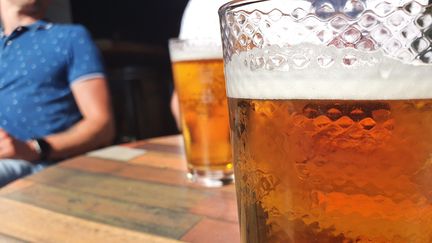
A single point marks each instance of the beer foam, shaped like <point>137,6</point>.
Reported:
<point>193,53</point>
<point>259,74</point>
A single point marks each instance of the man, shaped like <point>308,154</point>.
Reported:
<point>54,100</point>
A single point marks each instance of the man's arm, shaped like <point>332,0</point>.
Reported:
<point>96,129</point>
<point>175,109</point>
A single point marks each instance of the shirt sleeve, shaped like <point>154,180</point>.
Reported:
<point>85,59</point>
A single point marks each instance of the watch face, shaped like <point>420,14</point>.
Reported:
<point>36,146</point>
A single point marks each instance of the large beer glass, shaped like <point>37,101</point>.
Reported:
<point>199,81</point>
<point>331,119</point>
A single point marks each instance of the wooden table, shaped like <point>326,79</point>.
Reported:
<point>120,194</point>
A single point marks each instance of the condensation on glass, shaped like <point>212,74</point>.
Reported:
<point>331,119</point>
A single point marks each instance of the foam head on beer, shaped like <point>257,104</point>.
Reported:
<point>200,25</point>
<point>188,50</point>
<point>309,71</point>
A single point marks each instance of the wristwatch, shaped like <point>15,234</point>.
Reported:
<point>42,147</point>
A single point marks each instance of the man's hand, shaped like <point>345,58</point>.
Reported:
<point>12,148</point>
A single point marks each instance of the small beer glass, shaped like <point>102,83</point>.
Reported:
<point>199,81</point>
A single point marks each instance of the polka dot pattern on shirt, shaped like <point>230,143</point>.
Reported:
<point>38,65</point>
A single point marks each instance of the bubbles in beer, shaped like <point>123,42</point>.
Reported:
<point>335,170</point>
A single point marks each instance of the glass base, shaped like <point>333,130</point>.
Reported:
<point>210,178</point>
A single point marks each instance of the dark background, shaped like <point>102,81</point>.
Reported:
<point>133,38</point>
<point>144,21</point>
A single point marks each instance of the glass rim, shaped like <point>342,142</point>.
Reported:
<point>237,3</point>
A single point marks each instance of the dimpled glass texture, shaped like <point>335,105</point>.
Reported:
<point>402,29</point>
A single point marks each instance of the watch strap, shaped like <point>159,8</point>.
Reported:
<point>42,147</point>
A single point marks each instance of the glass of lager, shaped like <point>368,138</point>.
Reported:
<point>330,107</point>
<point>199,81</point>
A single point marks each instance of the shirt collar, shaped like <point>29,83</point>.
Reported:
<point>38,25</point>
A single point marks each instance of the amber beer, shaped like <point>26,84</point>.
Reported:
<point>333,170</point>
<point>200,84</point>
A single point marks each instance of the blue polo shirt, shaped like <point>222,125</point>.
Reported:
<point>38,65</point>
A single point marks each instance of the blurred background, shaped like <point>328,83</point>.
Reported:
<point>133,38</point>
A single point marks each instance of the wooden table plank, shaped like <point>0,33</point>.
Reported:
<point>170,140</point>
<point>9,239</point>
<point>151,174</point>
<point>161,160</point>
<point>176,140</point>
<point>150,219</point>
<point>40,225</point>
<point>133,171</point>
<point>107,200</point>
<point>92,164</point>
<point>150,158</point>
<point>147,193</point>
<point>141,172</point>
<point>213,231</point>
<point>166,148</point>
<point>222,206</point>
<point>15,186</point>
